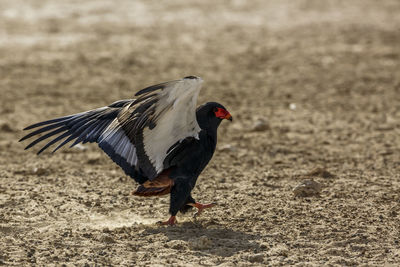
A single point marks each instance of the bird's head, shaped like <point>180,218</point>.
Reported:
<point>211,114</point>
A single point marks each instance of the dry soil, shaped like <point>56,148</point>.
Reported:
<point>314,89</point>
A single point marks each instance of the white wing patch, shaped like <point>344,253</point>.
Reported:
<point>176,119</point>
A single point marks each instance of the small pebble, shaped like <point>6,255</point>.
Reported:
<point>107,239</point>
<point>260,125</point>
<point>307,188</point>
<point>227,148</point>
<point>39,171</point>
<point>256,258</point>
<point>80,147</point>
<point>94,160</point>
<point>202,242</point>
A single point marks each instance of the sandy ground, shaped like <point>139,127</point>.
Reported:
<point>314,89</point>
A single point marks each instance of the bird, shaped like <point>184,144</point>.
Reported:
<point>160,138</point>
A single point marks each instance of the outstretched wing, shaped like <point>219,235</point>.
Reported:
<point>88,127</point>
<point>136,133</point>
<point>161,116</point>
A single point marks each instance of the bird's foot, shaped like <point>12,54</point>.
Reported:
<point>171,221</point>
<point>201,207</point>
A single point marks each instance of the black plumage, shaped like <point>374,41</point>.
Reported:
<point>159,139</point>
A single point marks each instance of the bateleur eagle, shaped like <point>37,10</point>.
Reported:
<point>158,138</point>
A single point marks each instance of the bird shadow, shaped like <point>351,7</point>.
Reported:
<point>207,238</point>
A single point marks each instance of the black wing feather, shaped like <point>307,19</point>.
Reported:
<point>77,126</point>
<point>49,122</point>
<point>57,131</point>
<point>55,140</point>
<point>76,132</point>
<point>43,129</point>
<point>152,88</point>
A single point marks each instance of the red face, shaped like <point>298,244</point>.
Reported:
<point>222,114</point>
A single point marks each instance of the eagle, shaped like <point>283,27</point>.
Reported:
<point>159,138</point>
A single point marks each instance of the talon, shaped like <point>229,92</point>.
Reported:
<point>201,207</point>
<point>171,221</point>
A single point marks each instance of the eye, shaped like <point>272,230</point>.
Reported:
<point>216,110</point>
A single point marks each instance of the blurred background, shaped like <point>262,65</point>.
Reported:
<point>314,89</point>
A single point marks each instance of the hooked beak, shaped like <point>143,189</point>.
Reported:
<point>228,117</point>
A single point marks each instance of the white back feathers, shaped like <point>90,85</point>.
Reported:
<point>175,114</point>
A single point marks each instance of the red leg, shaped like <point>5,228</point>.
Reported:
<point>201,207</point>
<point>171,221</point>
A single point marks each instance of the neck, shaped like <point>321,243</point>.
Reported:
<point>211,133</point>
<point>209,126</point>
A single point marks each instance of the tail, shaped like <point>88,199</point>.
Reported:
<point>151,191</point>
